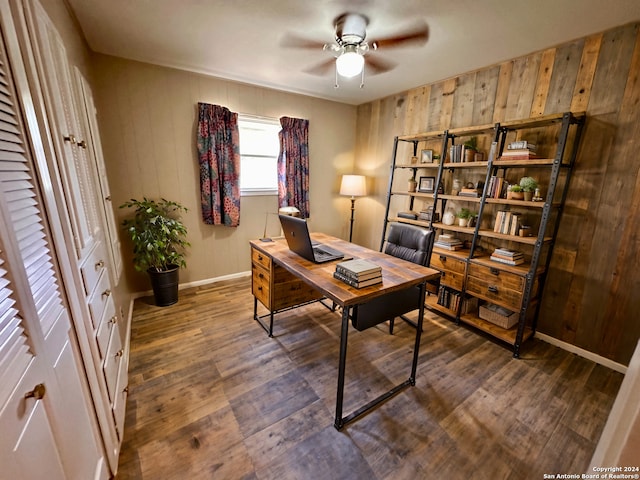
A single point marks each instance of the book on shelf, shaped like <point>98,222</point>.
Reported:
<point>507,252</point>
<point>358,268</point>
<point>357,283</point>
<point>409,215</point>
<point>448,243</point>
<point>507,222</point>
<point>469,192</point>
<point>507,257</point>
<point>518,154</point>
<point>520,145</point>
<point>514,262</point>
<point>496,187</point>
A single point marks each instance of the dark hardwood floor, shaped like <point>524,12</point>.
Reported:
<point>212,397</point>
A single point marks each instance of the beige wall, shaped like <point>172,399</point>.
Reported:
<point>148,117</point>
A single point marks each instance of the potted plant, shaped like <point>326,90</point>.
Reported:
<point>159,241</point>
<point>463,216</point>
<point>514,192</point>
<point>528,185</point>
<point>471,149</point>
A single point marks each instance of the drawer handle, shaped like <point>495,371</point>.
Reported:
<point>443,258</point>
<point>106,293</point>
<point>100,264</point>
<point>70,138</point>
<point>260,275</point>
<point>119,353</point>
<point>113,320</point>
<point>38,392</point>
<point>495,271</point>
<point>259,257</point>
<point>82,144</point>
<point>260,288</point>
<point>493,289</point>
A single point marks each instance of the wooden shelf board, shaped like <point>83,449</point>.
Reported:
<point>419,223</point>
<point>540,121</point>
<point>518,203</point>
<point>532,162</point>
<point>431,302</point>
<point>512,238</point>
<point>461,254</point>
<point>455,228</point>
<point>459,198</point>
<point>506,335</point>
<point>417,165</point>
<point>452,165</point>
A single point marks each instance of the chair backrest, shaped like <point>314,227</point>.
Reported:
<point>410,243</point>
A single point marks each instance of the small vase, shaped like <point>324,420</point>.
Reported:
<point>448,218</point>
<point>412,185</point>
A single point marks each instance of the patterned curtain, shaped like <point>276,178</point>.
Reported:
<point>219,157</point>
<point>293,165</point>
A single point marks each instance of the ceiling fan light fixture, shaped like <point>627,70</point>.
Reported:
<point>350,63</point>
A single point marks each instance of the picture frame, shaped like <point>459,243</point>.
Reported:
<point>427,184</point>
<point>426,156</point>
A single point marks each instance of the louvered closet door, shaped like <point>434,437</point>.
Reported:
<point>45,424</point>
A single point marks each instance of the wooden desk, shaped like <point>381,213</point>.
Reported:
<point>397,275</point>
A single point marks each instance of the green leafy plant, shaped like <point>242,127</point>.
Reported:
<point>159,236</point>
<point>472,143</point>
<point>464,213</point>
<point>528,184</point>
<point>515,188</point>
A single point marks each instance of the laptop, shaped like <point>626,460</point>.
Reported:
<point>296,231</point>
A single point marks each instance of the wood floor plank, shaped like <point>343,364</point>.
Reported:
<point>212,396</point>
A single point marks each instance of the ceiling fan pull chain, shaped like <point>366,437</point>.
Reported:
<point>362,77</point>
<point>335,69</point>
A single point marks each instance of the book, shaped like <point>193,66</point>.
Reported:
<point>356,283</point>
<point>505,257</point>
<point>521,144</point>
<point>514,262</point>
<point>507,252</point>
<point>357,266</point>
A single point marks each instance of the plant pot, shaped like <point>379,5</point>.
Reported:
<point>528,196</point>
<point>165,285</point>
<point>462,222</point>
<point>469,155</point>
<point>515,195</point>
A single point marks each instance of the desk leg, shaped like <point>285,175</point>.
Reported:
<point>339,423</point>
<point>416,348</point>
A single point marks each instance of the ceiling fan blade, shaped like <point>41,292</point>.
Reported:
<point>294,41</point>
<point>323,68</point>
<point>375,65</point>
<point>415,36</point>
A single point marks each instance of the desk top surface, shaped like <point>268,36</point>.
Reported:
<point>397,274</point>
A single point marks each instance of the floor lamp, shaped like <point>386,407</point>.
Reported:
<point>355,186</point>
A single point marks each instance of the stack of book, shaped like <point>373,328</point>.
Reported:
<point>507,256</point>
<point>496,188</point>
<point>507,222</point>
<point>358,272</point>
<point>470,192</point>
<point>448,242</point>
<point>520,150</point>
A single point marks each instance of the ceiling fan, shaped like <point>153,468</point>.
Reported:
<point>350,47</point>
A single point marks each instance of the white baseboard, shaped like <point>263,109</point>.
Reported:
<point>618,367</point>
<point>198,283</point>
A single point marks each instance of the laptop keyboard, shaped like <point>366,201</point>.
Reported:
<point>325,252</point>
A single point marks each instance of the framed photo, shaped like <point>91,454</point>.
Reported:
<point>427,184</point>
<point>426,156</point>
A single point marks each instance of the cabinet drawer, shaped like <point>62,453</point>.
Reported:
<point>452,279</point>
<point>98,300</point>
<point>494,292</point>
<point>112,363</point>
<point>287,294</point>
<point>495,276</point>
<point>451,264</point>
<point>92,268</point>
<point>106,325</point>
<point>260,259</point>
<point>260,285</point>
<point>120,400</point>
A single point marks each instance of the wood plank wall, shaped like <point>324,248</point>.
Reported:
<point>592,296</point>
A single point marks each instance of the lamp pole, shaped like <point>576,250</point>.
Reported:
<point>353,210</point>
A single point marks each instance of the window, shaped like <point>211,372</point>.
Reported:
<point>259,149</point>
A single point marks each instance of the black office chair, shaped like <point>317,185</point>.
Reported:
<point>410,243</point>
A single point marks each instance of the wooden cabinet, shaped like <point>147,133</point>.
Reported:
<point>472,272</point>
<point>276,288</point>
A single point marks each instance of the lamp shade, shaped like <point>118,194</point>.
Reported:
<point>349,64</point>
<point>353,185</point>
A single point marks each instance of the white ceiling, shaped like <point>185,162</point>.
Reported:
<point>241,39</point>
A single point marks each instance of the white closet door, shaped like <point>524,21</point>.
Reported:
<point>47,430</point>
<point>93,147</point>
